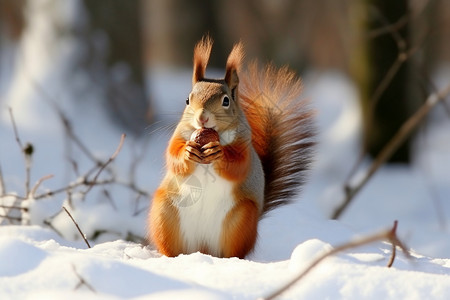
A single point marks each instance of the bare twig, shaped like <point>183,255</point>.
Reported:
<point>38,183</point>
<point>48,222</point>
<point>403,56</point>
<point>138,210</point>
<point>402,134</point>
<point>394,246</point>
<point>13,207</point>
<point>389,235</point>
<point>85,182</point>
<point>65,121</point>
<point>11,218</point>
<point>103,166</point>
<point>82,281</point>
<point>76,184</point>
<point>110,199</point>
<point>389,28</point>
<point>16,133</point>
<point>17,197</point>
<point>26,150</point>
<point>399,24</point>
<point>74,137</point>
<point>78,227</point>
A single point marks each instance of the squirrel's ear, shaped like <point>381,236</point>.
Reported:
<point>234,62</point>
<point>201,56</point>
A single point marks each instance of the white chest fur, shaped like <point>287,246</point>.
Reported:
<point>206,200</point>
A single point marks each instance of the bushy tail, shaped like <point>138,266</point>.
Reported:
<point>282,129</point>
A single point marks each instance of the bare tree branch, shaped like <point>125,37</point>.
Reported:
<point>389,28</point>
<point>78,227</point>
<point>26,150</point>
<point>82,281</point>
<point>13,207</point>
<point>85,182</point>
<point>404,54</point>
<point>401,135</point>
<point>11,218</point>
<point>103,166</point>
<point>38,183</point>
<point>389,235</point>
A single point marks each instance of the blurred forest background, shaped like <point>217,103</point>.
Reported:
<point>76,74</point>
<point>389,48</point>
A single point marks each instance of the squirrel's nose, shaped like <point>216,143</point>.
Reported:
<point>203,120</point>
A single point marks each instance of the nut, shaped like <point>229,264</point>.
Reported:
<point>203,136</point>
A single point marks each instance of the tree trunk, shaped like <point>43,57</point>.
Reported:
<point>385,78</point>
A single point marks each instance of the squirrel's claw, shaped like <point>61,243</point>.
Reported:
<point>211,152</point>
<point>192,153</point>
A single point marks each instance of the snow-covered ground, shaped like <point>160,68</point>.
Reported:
<point>38,263</point>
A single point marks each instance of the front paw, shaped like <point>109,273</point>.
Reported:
<point>192,152</point>
<point>211,152</point>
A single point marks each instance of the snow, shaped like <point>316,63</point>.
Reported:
<point>38,262</point>
<point>44,268</point>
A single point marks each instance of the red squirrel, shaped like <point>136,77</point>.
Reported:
<point>213,196</point>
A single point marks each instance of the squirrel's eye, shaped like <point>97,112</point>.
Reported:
<point>225,101</point>
<point>187,101</point>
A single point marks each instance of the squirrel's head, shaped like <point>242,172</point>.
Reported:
<point>213,103</point>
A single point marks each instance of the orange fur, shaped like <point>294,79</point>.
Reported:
<point>176,161</point>
<point>202,52</point>
<point>164,224</point>
<point>282,129</point>
<point>233,65</point>
<point>235,163</point>
<point>240,228</point>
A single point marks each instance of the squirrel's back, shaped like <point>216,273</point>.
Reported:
<point>282,129</point>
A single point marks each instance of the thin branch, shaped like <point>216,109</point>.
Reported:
<point>399,24</point>
<point>26,150</point>
<point>78,227</point>
<point>13,207</point>
<point>403,55</point>
<point>394,250</point>
<point>11,218</point>
<point>17,197</point>
<point>82,281</point>
<point>16,132</point>
<point>389,235</point>
<point>103,166</point>
<point>397,140</point>
<point>82,182</point>
<point>110,199</point>
<point>138,211</point>
<point>48,223</point>
<point>65,121</point>
<point>387,79</point>
<point>38,183</point>
<point>389,28</point>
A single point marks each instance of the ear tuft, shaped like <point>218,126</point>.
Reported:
<point>202,52</point>
<point>234,63</point>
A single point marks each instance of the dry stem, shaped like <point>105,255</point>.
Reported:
<point>103,166</point>
<point>78,227</point>
<point>82,281</point>
<point>38,183</point>
<point>402,134</point>
<point>27,156</point>
<point>389,235</point>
